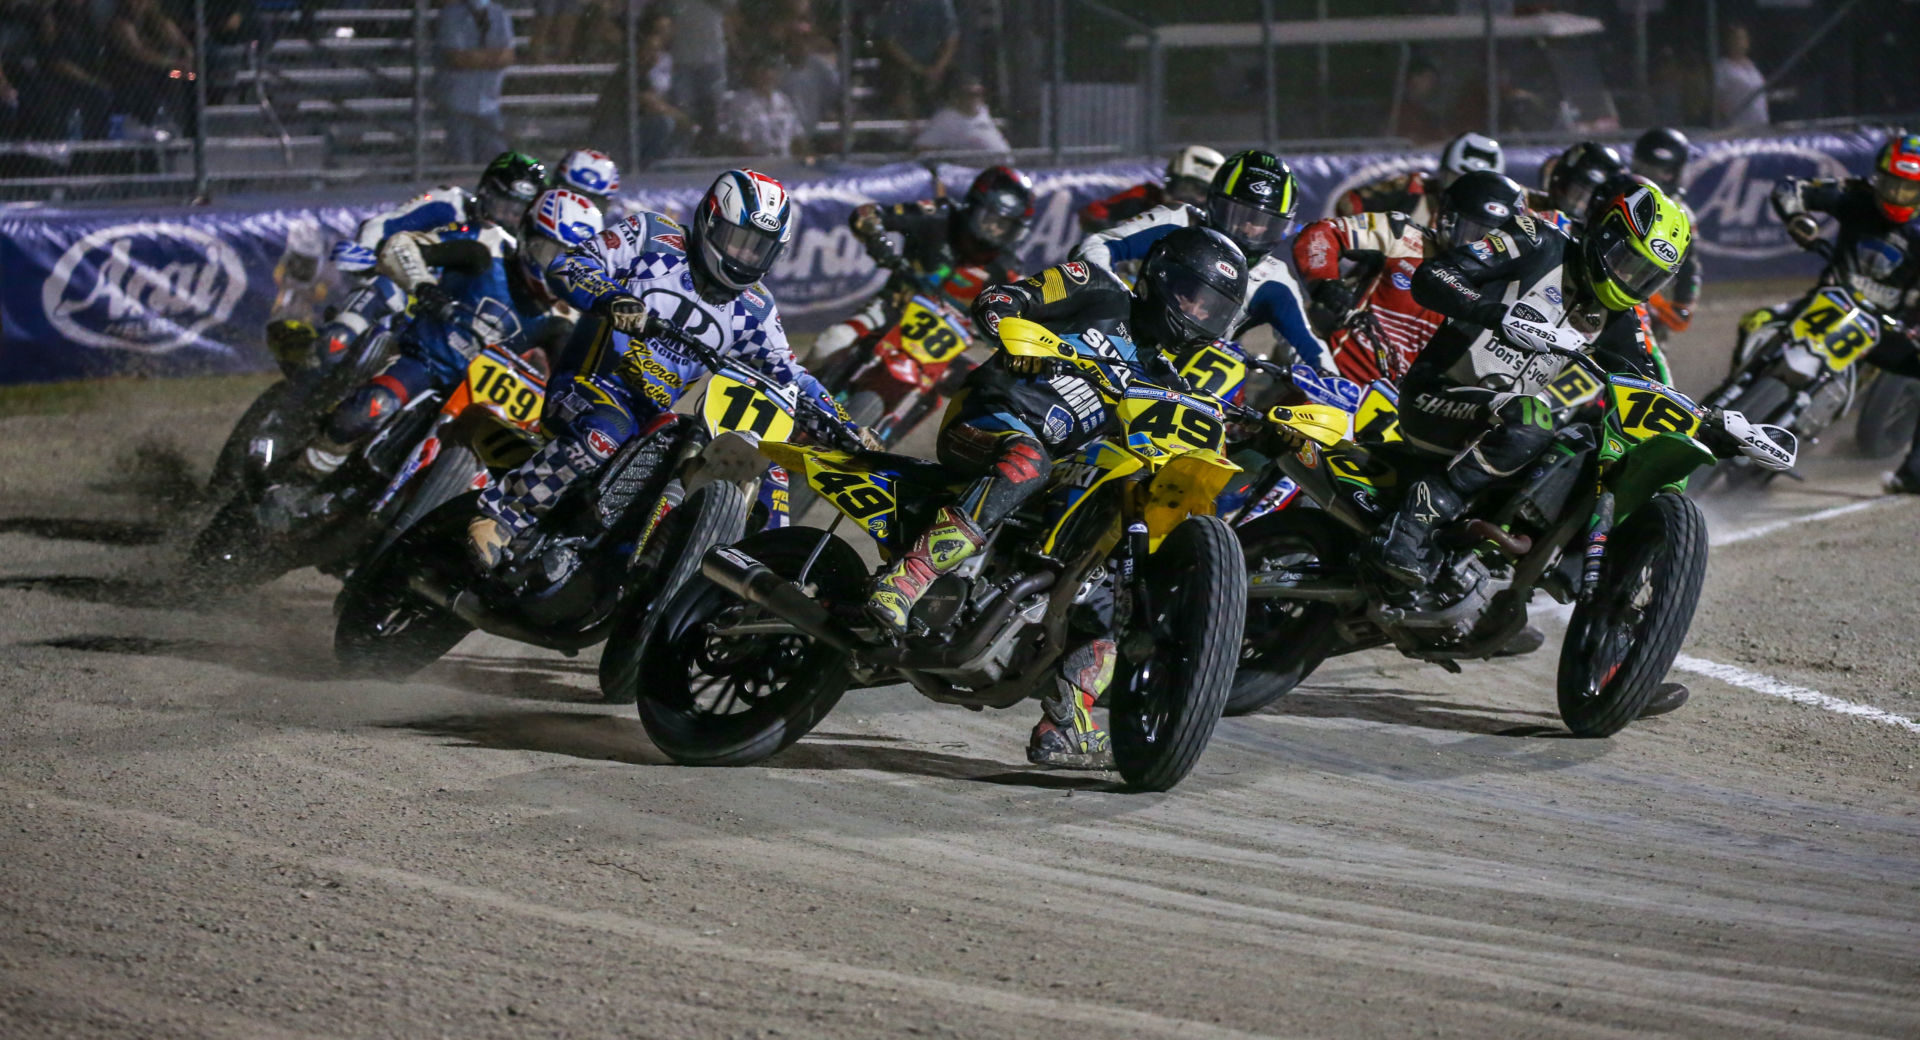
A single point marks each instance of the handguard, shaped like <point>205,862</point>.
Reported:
<point>1773,447</point>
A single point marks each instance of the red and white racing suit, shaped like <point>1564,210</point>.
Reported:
<point>1384,346</point>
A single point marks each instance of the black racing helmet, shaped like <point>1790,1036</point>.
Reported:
<point>1579,170</point>
<point>998,206</point>
<point>1252,201</point>
<point>1474,204</point>
<point>508,187</point>
<point>1660,155</point>
<point>1191,287</point>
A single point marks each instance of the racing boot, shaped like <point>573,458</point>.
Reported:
<point>1404,548</point>
<point>487,541</point>
<point>1899,482</point>
<point>950,539</point>
<point>1667,697</point>
<point>1066,736</point>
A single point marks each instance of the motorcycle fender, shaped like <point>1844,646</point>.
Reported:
<point>1075,479</point>
<point>1353,506</point>
<point>1651,465</point>
<point>1186,486</point>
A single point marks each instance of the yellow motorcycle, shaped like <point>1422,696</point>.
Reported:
<point>748,659</point>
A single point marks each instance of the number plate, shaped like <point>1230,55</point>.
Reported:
<point>1573,387</point>
<point>926,334</point>
<point>732,406</point>
<point>1642,409</point>
<point>1211,370</point>
<point>504,390</point>
<point>1834,327</point>
<point>1163,422</point>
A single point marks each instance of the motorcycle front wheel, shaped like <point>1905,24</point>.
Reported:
<point>1620,644</point>
<point>383,630</point>
<point>710,699</point>
<point>1165,710</point>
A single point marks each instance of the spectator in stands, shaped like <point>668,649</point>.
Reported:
<point>474,41</point>
<point>1739,90</point>
<point>703,34</point>
<point>662,126</point>
<point>808,77</point>
<point>556,26</point>
<point>72,93</point>
<point>916,40</point>
<point>758,119</point>
<point>963,124</point>
<point>150,64</point>
<point>234,27</point>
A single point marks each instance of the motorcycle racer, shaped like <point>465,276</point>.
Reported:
<point>1014,417</point>
<point>473,285</point>
<point>936,235</point>
<point>1252,201</point>
<point>1877,225</point>
<point>706,281</point>
<point>1414,193</point>
<point>1660,155</point>
<point>1189,175</point>
<point>1572,178</point>
<point>589,173</point>
<point>1393,246</point>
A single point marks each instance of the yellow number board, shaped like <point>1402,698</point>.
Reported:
<point>927,335</point>
<point>1645,409</point>
<point>1835,328</point>
<point>1169,424</point>
<point>732,405</point>
<point>504,389</point>
<point>1211,370</point>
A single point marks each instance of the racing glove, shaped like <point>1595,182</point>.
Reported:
<point>1334,296</point>
<point>629,315</point>
<point>431,300</point>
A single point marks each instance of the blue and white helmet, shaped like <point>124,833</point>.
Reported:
<point>739,228</point>
<point>589,173</point>
<point>557,221</point>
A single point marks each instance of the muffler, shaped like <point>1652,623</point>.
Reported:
<point>755,582</point>
<point>466,605</point>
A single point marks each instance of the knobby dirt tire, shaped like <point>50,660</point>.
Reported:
<point>230,551</point>
<point>385,632</point>
<point>677,644</point>
<point>1889,411</point>
<point>713,515</point>
<point>1159,733</point>
<point>1285,639</point>
<point>1667,539</point>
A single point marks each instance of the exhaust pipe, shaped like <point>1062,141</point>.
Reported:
<point>755,582</point>
<point>466,606</point>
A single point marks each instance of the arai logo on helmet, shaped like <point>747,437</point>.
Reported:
<point>764,220</point>
<point>149,287</point>
<point>1664,250</point>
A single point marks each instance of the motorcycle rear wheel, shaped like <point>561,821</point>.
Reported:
<point>1889,411</point>
<point>710,701</point>
<point>1165,710</point>
<point>713,515</point>
<point>1286,639</point>
<point>383,630</point>
<point>1620,644</point>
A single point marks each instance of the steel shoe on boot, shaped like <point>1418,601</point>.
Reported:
<point>487,541</point>
<point>1066,736</point>
<point>1667,697</point>
<point>948,541</point>
<point>1403,548</point>
<point>1899,482</point>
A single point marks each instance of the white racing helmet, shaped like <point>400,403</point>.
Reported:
<point>1190,171</point>
<point>739,228</point>
<point>1470,152</point>
<point>590,173</point>
<point>557,221</point>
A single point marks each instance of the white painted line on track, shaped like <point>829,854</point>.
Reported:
<point>1772,687</point>
<point>1767,684</point>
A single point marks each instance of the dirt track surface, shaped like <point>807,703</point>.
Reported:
<point>207,835</point>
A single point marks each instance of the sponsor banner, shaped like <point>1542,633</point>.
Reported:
<point>112,290</point>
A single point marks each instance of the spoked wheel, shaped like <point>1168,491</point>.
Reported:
<point>709,698</point>
<point>1620,644</point>
<point>1889,411</point>
<point>1164,713</point>
<point>1286,639</point>
<point>713,515</point>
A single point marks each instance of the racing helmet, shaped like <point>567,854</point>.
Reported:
<point>1633,246</point>
<point>508,186</point>
<point>1252,201</point>
<point>1579,170</point>
<point>1190,173</point>
<point>998,206</point>
<point>1613,187</point>
<point>739,227</point>
<point>1467,153</point>
<point>1896,178</point>
<point>557,221</point>
<point>1191,288</point>
<point>1660,155</point>
<point>1477,202</point>
<point>590,173</point>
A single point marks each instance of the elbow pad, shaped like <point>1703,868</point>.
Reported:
<point>401,260</point>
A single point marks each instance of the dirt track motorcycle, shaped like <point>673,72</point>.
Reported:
<point>1598,520</point>
<point>747,660</point>
<point>430,452</point>
<point>592,565</point>
<point>904,370</point>
<point>1796,369</point>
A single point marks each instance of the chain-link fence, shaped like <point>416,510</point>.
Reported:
<point>106,98</point>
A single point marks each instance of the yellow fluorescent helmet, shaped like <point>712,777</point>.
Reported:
<point>1635,246</point>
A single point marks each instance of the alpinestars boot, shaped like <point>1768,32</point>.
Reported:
<point>948,541</point>
<point>1066,736</point>
<point>1404,547</point>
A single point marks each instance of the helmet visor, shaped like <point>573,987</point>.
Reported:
<point>1896,191</point>
<point>747,248</point>
<point>1255,230</point>
<point>1196,305</point>
<point>1636,274</point>
<point>1664,174</point>
<point>500,208</point>
<point>1469,227</point>
<point>995,229</point>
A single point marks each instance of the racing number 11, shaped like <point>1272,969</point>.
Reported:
<point>740,397</point>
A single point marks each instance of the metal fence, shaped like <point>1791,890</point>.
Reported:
<point>309,93</point>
